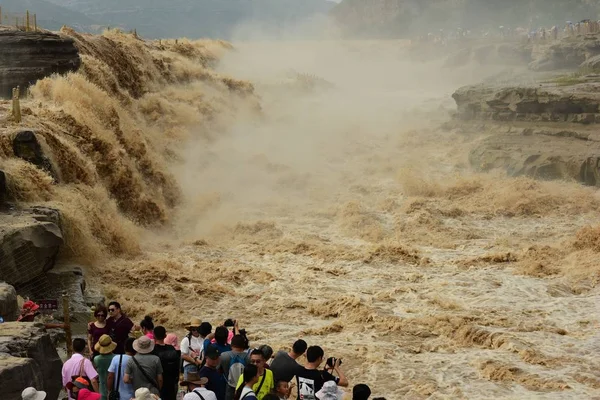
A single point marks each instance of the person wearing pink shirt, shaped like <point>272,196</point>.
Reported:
<point>79,366</point>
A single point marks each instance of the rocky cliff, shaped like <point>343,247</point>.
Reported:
<point>29,56</point>
<point>27,358</point>
<point>545,130</point>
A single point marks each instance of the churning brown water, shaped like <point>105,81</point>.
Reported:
<point>339,212</point>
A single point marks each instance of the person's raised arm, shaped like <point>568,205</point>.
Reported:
<point>127,378</point>
<point>343,380</point>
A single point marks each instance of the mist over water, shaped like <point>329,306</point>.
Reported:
<point>328,204</point>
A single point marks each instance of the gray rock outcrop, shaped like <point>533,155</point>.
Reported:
<point>577,101</point>
<point>569,53</point>
<point>29,244</point>
<point>29,56</point>
<point>540,154</point>
<point>27,147</point>
<point>28,358</point>
<point>9,307</point>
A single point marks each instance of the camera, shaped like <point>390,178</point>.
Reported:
<point>331,362</point>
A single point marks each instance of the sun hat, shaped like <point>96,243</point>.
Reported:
<point>143,345</point>
<point>172,340</point>
<point>195,379</point>
<point>144,394</point>
<point>330,391</point>
<point>30,305</point>
<point>80,382</point>
<point>194,323</point>
<point>105,345</point>
<point>31,394</point>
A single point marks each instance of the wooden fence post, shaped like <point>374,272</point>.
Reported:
<point>35,22</point>
<point>16,104</point>
<point>0,15</point>
<point>67,321</point>
<point>27,23</point>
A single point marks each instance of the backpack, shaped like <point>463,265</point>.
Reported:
<point>170,361</point>
<point>236,368</point>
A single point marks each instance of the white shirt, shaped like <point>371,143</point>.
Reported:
<point>197,347</point>
<point>207,394</point>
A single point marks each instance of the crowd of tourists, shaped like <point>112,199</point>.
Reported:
<point>540,34</point>
<point>206,364</point>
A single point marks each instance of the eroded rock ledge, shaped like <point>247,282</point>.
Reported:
<point>29,56</point>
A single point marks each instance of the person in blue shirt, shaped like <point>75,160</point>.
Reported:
<point>115,381</point>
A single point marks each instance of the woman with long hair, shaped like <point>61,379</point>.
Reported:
<point>245,392</point>
<point>147,327</point>
<point>97,328</point>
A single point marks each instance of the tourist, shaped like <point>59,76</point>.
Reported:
<point>79,366</point>
<point>216,381</point>
<point>29,312</point>
<point>191,348</point>
<point>265,383</point>
<point>233,363</point>
<point>79,389</point>
<point>102,361</point>
<point>282,390</point>
<point>170,360</point>
<point>145,394</point>
<point>116,372</point>
<point>147,326</point>
<point>144,369</point>
<point>361,392</point>
<point>196,387</point>
<point>330,391</point>
<point>284,365</point>
<point>310,380</point>
<point>120,326</point>
<point>221,335</point>
<point>31,394</point>
<point>206,335</point>
<point>268,353</point>
<point>250,377</point>
<point>172,340</point>
<point>97,328</point>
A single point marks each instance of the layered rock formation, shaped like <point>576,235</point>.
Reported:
<point>27,358</point>
<point>29,56</point>
<point>544,130</point>
<point>558,101</point>
<point>569,53</point>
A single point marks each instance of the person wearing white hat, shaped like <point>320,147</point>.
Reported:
<point>144,369</point>
<point>31,394</point>
<point>144,394</point>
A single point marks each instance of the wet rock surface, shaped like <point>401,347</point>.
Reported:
<point>28,358</point>
<point>29,244</point>
<point>29,56</point>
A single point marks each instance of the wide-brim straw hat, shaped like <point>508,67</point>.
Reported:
<point>330,391</point>
<point>194,323</point>
<point>195,379</point>
<point>144,394</point>
<point>143,345</point>
<point>31,394</point>
<point>105,345</point>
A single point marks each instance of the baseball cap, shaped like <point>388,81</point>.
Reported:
<point>211,351</point>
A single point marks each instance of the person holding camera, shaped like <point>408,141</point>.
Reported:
<point>310,379</point>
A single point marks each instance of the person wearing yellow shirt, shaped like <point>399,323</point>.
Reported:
<point>266,382</point>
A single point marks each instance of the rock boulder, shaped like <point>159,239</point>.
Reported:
<point>29,244</point>
<point>28,358</point>
<point>27,146</point>
<point>9,307</point>
<point>29,56</point>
